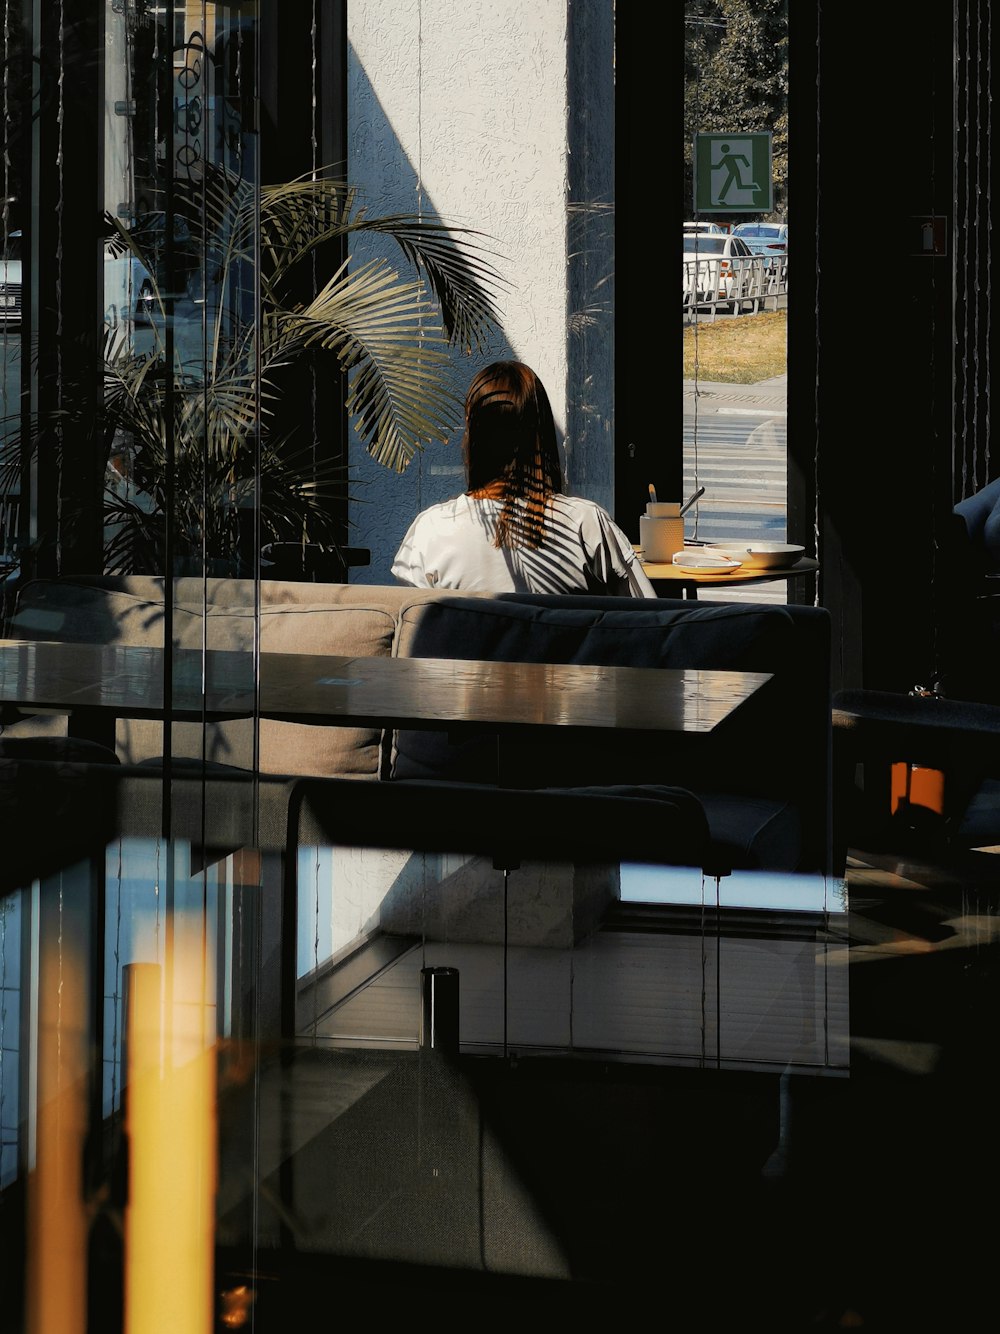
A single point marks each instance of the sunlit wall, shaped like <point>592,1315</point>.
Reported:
<point>499,119</point>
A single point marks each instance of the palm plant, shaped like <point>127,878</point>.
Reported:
<point>200,447</point>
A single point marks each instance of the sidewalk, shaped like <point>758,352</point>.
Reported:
<point>712,394</point>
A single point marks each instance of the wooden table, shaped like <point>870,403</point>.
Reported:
<point>97,684</point>
<point>669,581</point>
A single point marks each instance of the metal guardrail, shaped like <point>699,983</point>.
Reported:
<point>756,285</point>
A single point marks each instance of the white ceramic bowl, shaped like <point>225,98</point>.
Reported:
<point>755,555</point>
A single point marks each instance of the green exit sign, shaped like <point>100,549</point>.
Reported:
<point>732,173</point>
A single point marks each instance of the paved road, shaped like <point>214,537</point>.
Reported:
<point>734,446</point>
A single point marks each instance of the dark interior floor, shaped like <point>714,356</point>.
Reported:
<point>851,1190</point>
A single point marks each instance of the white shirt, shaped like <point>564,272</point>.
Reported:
<point>583,550</point>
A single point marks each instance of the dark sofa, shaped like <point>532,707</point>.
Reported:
<point>763,777</point>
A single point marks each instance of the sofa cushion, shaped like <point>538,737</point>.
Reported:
<point>752,833</point>
<point>360,629</point>
<point>75,612</point>
<point>659,633</point>
<point>90,801</point>
<point>67,749</point>
<point>980,514</point>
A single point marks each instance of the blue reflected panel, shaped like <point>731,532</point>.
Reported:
<point>152,898</point>
<point>783,891</point>
<point>10,1021</point>
<point>321,930</point>
<point>758,958</point>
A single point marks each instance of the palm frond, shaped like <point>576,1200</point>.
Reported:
<point>378,327</point>
<point>463,281</point>
<point>208,442</point>
<point>301,215</point>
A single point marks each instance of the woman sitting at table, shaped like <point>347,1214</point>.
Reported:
<point>515,529</point>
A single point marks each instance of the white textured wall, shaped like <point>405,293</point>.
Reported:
<point>460,107</point>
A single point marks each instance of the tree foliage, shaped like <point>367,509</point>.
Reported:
<point>736,79</point>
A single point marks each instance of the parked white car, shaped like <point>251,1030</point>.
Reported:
<point>769,239</point>
<point>132,295</point>
<point>710,263</point>
<point>128,291</point>
<point>712,228</point>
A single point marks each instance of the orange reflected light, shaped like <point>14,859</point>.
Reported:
<point>56,1272</point>
<point>170,1121</point>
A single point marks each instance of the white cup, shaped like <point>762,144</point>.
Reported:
<point>661,531</point>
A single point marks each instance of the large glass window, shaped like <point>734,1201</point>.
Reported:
<point>735,274</point>
<point>235,342</point>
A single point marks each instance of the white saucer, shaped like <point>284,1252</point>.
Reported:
<point>696,562</point>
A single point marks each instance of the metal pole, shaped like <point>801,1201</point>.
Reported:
<point>439,1020</point>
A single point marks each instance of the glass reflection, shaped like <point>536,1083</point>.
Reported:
<point>179,292</point>
<point>209,1140</point>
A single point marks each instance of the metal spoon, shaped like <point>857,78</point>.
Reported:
<point>691,499</point>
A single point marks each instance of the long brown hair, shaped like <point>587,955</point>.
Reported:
<point>511,450</point>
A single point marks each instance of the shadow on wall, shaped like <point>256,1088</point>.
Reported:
<point>383,504</point>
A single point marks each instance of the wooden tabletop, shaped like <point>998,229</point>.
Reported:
<point>665,572</point>
<point>121,681</point>
<point>426,692</point>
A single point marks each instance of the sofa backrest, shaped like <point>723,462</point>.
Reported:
<point>89,804</point>
<point>342,620</point>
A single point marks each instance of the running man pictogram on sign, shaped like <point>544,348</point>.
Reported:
<point>730,163</point>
